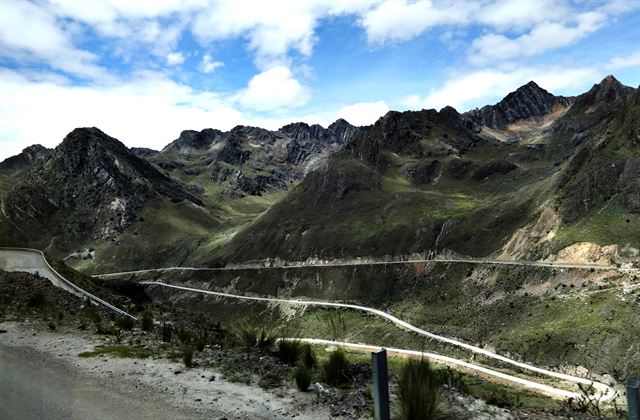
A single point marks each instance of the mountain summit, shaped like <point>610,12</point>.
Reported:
<point>91,186</point>
<point>527,101</point>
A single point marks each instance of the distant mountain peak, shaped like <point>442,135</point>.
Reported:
<point>529,100</point>
<point>92,186</point>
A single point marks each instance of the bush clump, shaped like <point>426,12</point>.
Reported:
<point>125,323</point>
<point>302,376</point>
<point>167,333</point>
<point>187,356</point>
<point>250,336</point>
<point>147,321</point>
<point>290,351</point>
<point>336,368</point>
<point>418,390</point>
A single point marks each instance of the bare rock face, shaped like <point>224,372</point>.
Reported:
<point>595,106</point>
<point>191,141</point>
<point>527,101</point>
<point>92,186</point>
<point>251,160</point>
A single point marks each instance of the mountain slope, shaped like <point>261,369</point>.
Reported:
<point>418,182</point>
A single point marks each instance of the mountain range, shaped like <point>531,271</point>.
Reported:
<point>530,177</point>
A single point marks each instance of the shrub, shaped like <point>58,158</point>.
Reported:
<point>167,333</point>
<point>250,336</point>
<point>52,326</point>
<point>105,329</point>
<point>418,390</point>
<point>308,358</point>
<point>147,321</point>
<point>125,323</point>
<point>303,378</point>
<point>187,356</point>
<point>289,351</point>
<point>200,343</point>
<point>336,368</point>
<point>185,336</point>
<point>452,378</point>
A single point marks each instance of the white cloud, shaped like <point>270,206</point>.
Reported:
<point>631,60</point>
<point>148,110</point>
<point>522,14</point>
<point>272,89</point>
<point>175,58</point>
<point>461,91</point>
<point>30,33</point>
<point>544,36</point>
<point>209,64</point>
<point>399,20</point>
<point>363,113</point>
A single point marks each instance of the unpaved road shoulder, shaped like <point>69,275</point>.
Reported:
<point>41,376</point>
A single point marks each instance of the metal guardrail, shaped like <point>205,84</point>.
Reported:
<point>69,283</point>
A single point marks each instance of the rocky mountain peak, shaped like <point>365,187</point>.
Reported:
<point>527,101</point>
<point>191,141</point>
<point>91,185</point>
<point>609,89</point>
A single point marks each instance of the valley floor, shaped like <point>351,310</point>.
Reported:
<point>41,376</point>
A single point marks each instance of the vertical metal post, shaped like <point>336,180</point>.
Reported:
<point>633,399</point>
<point>380,384</point>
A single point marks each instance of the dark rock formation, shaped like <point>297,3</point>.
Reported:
<point>501,167</point>
<point>421,172</point>
<point>144,152</point>
<point>458,168</point>
<point>527,101</point>
<point>91,186</point>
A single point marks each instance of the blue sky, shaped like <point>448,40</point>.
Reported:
<point>143,71</point>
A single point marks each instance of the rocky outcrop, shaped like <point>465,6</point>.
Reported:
<point>251,160</point>
<point>527,101</point>
<point>501,167</point>
<point>191,142</point>
<point>421,172</point>
<point>144,152</point>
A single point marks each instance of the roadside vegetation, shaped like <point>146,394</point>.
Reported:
<point>259,350</point>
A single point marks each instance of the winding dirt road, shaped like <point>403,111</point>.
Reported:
<point>357,263</point>
<point>33,261</point>
<point>605,391</point>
